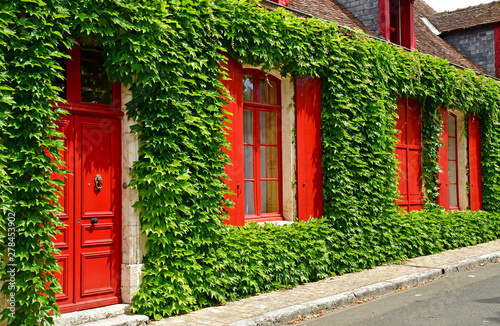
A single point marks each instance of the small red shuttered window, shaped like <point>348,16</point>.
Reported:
<point>396,22</point>
<point>409,154</point>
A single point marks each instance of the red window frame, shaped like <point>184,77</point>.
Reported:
<point>454,136</point>
<point>256,107</point>
<point>74,91</point>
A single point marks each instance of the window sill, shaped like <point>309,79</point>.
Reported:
<point>276,222</point>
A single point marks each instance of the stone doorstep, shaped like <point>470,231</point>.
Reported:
<point>128,320</point>
<point>99,315</point>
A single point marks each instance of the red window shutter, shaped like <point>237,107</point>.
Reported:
<point>409,154</point>
<point>234,135</point>
<point>309,149</point>
<point>384,20</point>
<point>475,176</point>
<point>444,195</point>
<point>408,25</point>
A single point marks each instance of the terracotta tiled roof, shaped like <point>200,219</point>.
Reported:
<point>430,43</point>
<point>468,17</point>
<point>427,41</point>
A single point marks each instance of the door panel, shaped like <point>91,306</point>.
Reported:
<point>97,263</point>
<point>90,242</point>
<point>97,240</point>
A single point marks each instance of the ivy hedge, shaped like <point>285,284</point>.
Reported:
<point>169,52</point>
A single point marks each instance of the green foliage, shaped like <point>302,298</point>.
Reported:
<point>169,53</point>
<point>29,155</point>
<point>262,258</point>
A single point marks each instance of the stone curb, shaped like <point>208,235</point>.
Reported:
<point>288,314</point>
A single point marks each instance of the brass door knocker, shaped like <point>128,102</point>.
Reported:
<point>98,182</point>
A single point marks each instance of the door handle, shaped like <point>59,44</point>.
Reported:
<point>94,220</point>
<point>98,182</point>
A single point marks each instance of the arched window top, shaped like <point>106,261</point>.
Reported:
<point>261,88</point>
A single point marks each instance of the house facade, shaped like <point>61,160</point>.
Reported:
<point>276,150</point>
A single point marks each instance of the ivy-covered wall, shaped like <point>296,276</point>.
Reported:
<point>169,51</point>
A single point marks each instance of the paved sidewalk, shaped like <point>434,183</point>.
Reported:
<point>281,307</point>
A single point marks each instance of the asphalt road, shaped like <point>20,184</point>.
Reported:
<point>470,298</point>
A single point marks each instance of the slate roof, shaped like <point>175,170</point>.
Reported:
<point>430,43</point>
<point>467,17</point>
<point>329,10</point>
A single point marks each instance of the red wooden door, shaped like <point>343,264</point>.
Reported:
<point>409,154</point>
<point>91,242</point>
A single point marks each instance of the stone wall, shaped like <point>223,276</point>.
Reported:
<point>364,10</point>
<point>477,43</point>
<point>133,241</point>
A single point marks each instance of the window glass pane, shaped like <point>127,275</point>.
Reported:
<point>451,126</point>
<point>451,149</point>
<point>249,199</point>
<point>248,126</point>
<point>96,88</point>
<point>248,162</point>
<point>452,171</point>
<point>268,162</point>
<point>453,196</point>
<point>268,91</point>
<point>269,192</point>
<point>268,128</point>
<point>248,87</point>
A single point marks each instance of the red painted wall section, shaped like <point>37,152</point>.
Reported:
<point>384,20</point>
<point>309,149</point>
<point>444,196</point>
<point>497,49</point>
<point>475,174</point>
<point>234,135</point>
